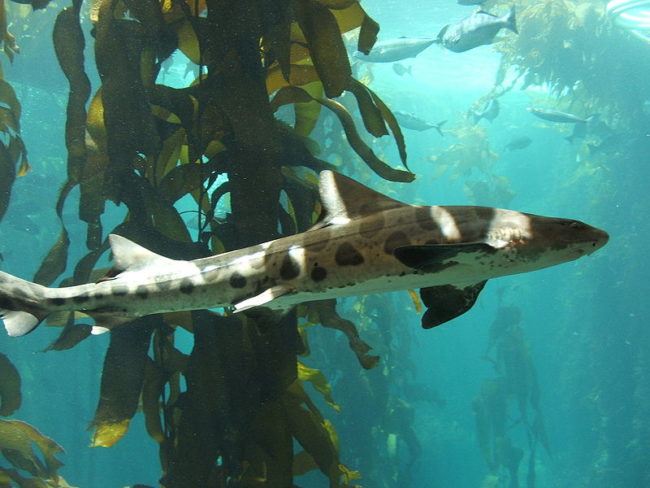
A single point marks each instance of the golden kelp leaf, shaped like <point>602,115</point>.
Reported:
<point>299,74</point>
<point>8,40</point>
<point>184,106</point>
<point>95,120</point>
<point>18,153</point>
<point>361,148</point>
<point>348,474</point>
<point>152,390</point>
<point>289,94</point>
<point>371,115</point>
<point>107,433</point>
<point>24,168</point>
<point>16,437</point>
<point>55,262</point>
<point>307,113</point>
<point>122,380</point>
<point>8,98</point>
<point>71,335</point>
<point>184,179</point>
<point>310,431</point>
<point>165,217</point>
<point>8,122</point>
<point>9,387</point>
<point>350,18</point>
<point>7,178</point>
<point>318,381</point>
<point>188,43</point>
<point>325,45</point>
<point>416,301</point>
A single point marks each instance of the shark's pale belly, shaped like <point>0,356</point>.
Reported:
<point>365,243</point>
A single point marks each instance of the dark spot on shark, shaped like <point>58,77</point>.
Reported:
<point>290,268</point>
<point>142,292</point>
<point>57,302</point>
<point>237,280</point>
<point>186,286</point>
<point>347,255</point>
<point>120,291</point>
<point>83,298</point>
<point>318,273</point>
<point>395,240</point>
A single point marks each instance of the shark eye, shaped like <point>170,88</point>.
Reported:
<point>576,225</point>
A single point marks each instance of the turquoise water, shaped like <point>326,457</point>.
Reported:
<point>575,348</point>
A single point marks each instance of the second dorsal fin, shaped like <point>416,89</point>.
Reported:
<point>344,199</point>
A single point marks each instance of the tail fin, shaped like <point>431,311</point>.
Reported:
<point>438,127</point>
<point>511,21</point>
<point>19,305</point>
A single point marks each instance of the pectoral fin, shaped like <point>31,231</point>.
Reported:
<point>447,302</point>
<point>264,299</point>
<point>431,257</point>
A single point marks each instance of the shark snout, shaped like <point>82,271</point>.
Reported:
<point>599,239</point>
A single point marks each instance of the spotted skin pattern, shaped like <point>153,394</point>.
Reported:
<point>366,243</point>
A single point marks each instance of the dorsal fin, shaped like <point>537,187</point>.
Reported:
<point>129,256</point>
<point>344,199</point>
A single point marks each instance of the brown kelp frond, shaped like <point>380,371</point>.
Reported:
<point>10,396</point>
<point>573,48</point>
<point>13,154</point>
<point>193,154</point>
<point>16,439</point>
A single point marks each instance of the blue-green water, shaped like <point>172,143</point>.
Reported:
<point>411,421</point>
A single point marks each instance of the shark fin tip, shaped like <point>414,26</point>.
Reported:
<point>19,323</point>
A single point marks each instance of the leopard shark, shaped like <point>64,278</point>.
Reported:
<point>365,242</point>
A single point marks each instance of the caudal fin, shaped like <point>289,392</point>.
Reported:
<point>19,305</point>
<point>511,21</point>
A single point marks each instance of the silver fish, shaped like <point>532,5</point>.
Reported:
<point>478,29</point>
<point>392,50</point>
<point>558,116</point>
<point>365,243</point>
<point>410,121</point>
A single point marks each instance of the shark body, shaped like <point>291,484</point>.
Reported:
<point>364,243</point>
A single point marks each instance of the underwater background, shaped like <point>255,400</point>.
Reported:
<point>544,382</point>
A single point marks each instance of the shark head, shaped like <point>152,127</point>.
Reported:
<point>533,242</point>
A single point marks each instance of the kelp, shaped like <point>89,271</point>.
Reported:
<point>13,154</point>
<point>30,454</point>
<point>10,397</point>
<point>516,383</point>
<point>571,47</point>
<point>230,410</point>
